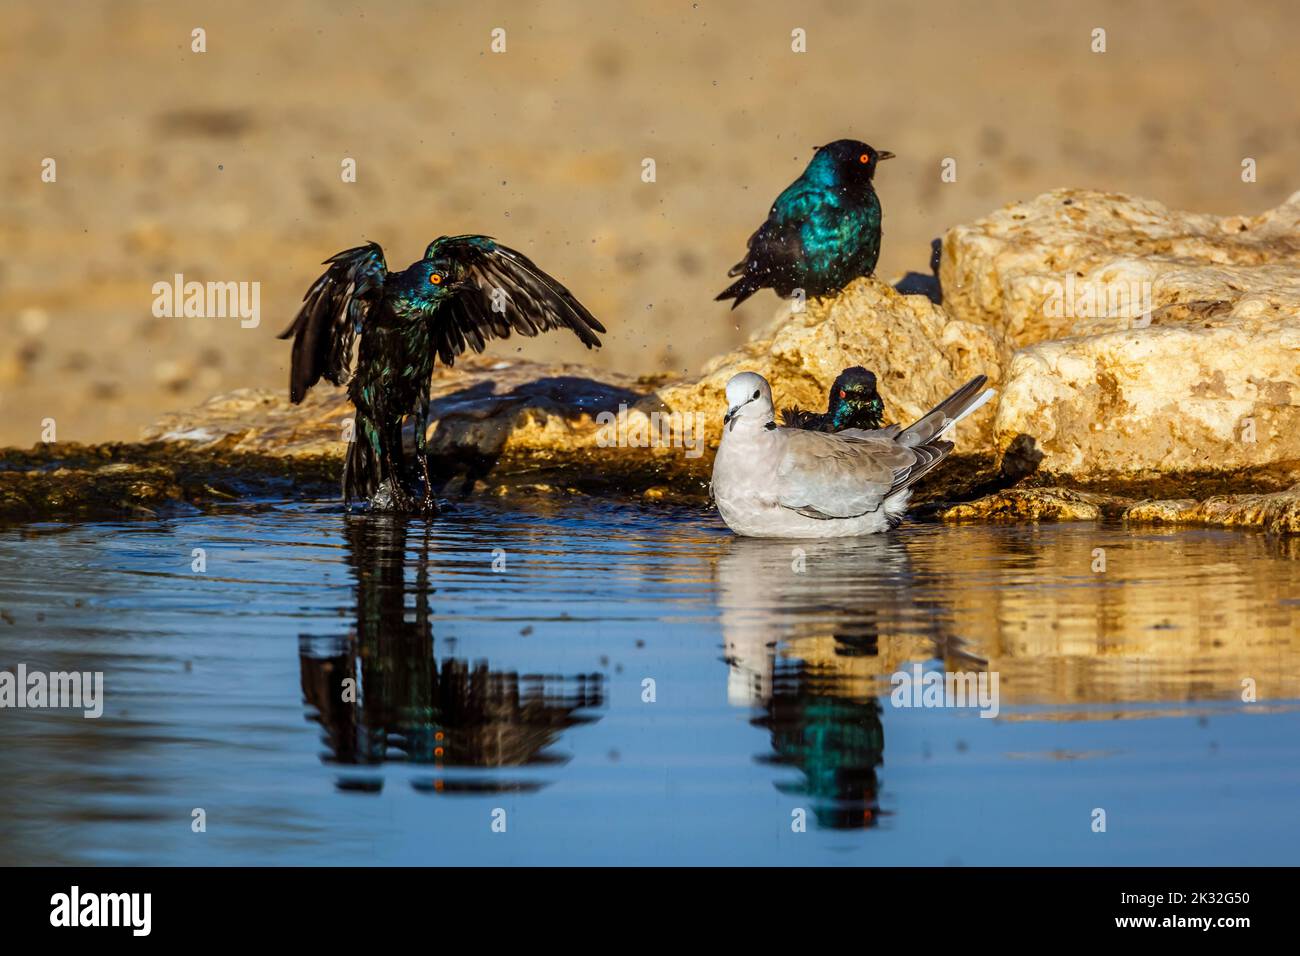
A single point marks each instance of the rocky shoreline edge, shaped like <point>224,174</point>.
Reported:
<point>1147,363</point>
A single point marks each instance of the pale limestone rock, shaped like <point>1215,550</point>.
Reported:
<point>1036,270</point>
<point>1200,390</point>
<point>487,405</point>
<point>520,408</point>
<point>1151,341</point>
<point>1208,382</point>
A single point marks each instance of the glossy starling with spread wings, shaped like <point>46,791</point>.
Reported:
<point>466,291</point>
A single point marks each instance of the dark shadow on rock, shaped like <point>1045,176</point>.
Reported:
<point>474,423</point>
<point>918,283</point>
<point>970,477</point>
<point>1022,457</point>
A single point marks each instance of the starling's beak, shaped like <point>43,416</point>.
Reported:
<point>883,155</point>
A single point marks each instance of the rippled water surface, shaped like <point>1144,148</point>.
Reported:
<point>617,685</point>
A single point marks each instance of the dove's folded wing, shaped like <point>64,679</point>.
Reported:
<point>504,292</point>
<point>889,431</point>
<point>831,476</point>
<point>332,313</point>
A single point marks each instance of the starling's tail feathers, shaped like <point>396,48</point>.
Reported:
<point>361,471</point>
<point>740,290</point>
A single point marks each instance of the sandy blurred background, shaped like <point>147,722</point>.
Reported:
<point>225,165</point>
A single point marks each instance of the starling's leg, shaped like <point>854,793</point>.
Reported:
<point>400,500</point>
<point>428,504</point>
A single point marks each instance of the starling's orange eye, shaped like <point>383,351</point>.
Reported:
<point>864,158</point>
<point>435,278</point>
<point>843,394</point>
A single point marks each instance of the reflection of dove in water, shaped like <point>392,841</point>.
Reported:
<point>774,482</point>
<point>770,594</point>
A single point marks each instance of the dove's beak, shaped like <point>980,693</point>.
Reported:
<point>729,419</point>
<point>884,154</point>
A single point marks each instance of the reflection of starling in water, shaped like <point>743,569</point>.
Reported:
<point>407,706</point>
<point>833,737</point>
<point>802,652</point>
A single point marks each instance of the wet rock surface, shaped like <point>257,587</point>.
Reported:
<point>82,482</point>
<point>1278,512</point>
<point>1037,504</point>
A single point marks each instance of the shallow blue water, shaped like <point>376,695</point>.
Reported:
<point>500,660</point>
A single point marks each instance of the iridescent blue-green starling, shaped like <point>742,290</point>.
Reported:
<point>853,403</point>
<point>466,291</point>
<point>823,231</point>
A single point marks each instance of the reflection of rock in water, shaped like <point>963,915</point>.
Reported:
<point>835,740</point>
<point>408,706</point>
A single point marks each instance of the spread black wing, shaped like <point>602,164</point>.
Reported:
<point>331,316</point>
<point>502,291</point>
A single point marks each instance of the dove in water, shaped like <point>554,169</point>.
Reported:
<point>775,482</point>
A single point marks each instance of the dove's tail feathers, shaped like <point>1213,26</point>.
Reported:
<point>947,413</point>
<point>978,403</point>
<point>928,457</point>
<point>896,507</point>
<point>740,290</point>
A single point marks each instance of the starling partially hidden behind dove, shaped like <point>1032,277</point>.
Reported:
<point>776,482</point>
<point>853,403</point>
<point>466,291</point>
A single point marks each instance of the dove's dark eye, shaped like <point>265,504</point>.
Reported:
<point>435,278</point>
<point>756,393</point>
